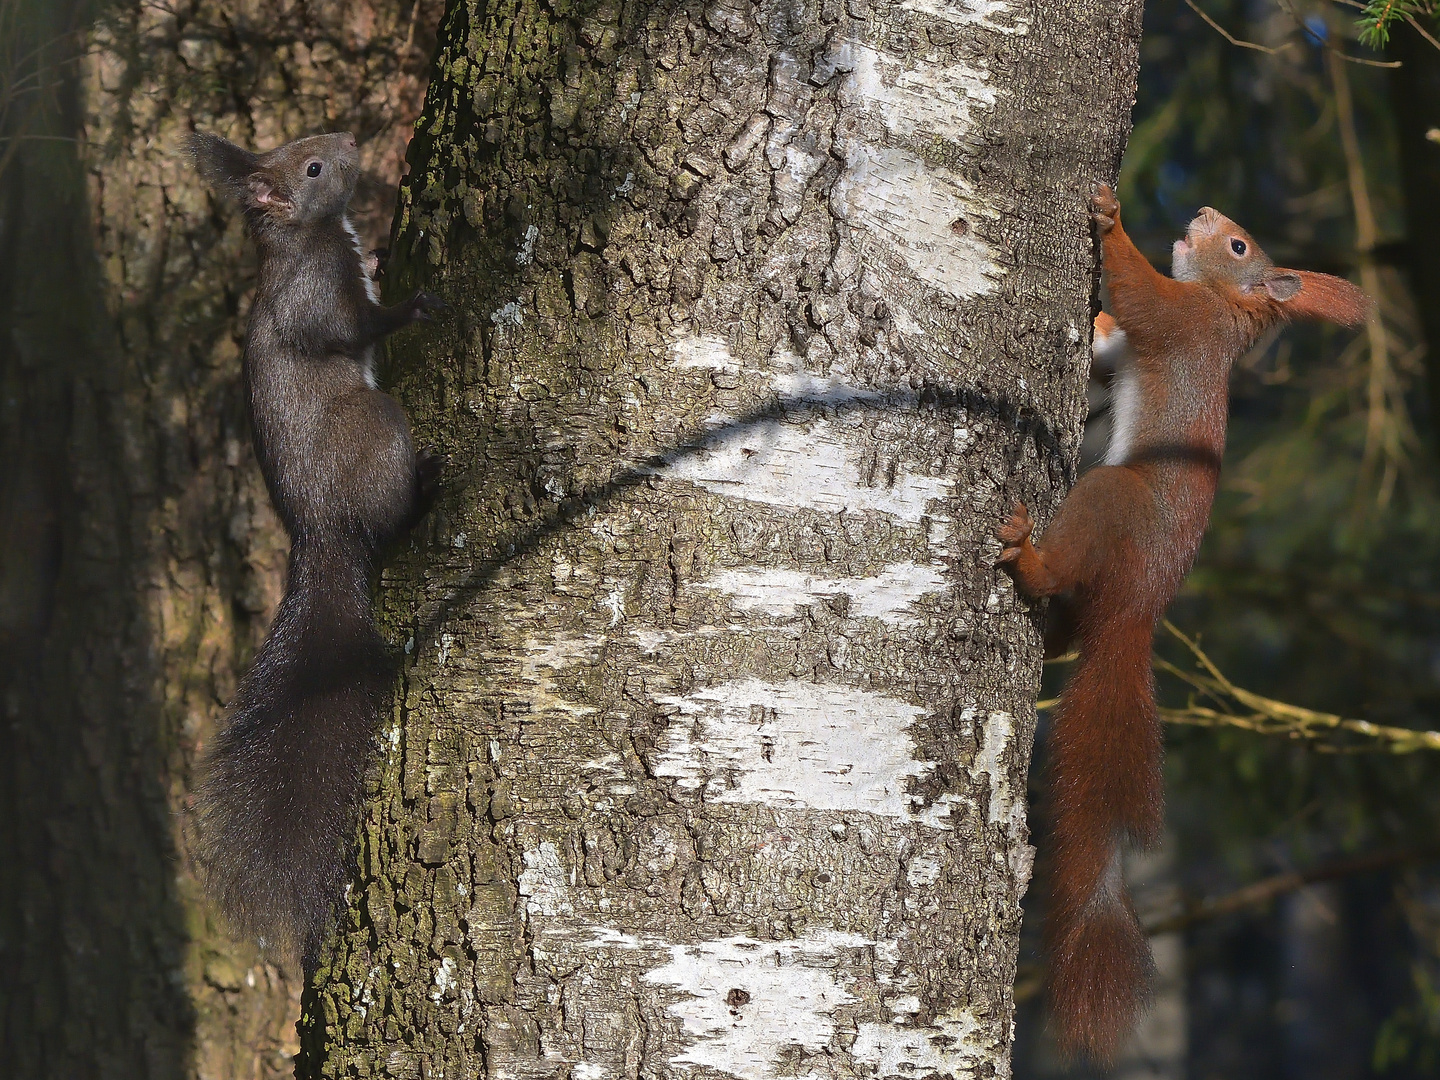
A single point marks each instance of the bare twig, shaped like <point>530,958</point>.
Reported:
<point>1273,50</point>
<point>1331,49</point>
<point>1236,707</point>
<point>1270,717</point>
<point>1030,978</point>
<point>1422,31</point>
<point>1268,50</point>
<point>27,78</point>
<point>1267,889</point>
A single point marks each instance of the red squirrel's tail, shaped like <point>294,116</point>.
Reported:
<point>281,784</point>
<point>1105,791</point>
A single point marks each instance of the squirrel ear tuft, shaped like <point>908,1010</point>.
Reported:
<point>1323,298</point>
<point>220,161</point>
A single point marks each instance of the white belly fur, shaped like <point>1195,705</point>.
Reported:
<point>1114,350</point>
<point>369,282</point>
<point>370,290</point>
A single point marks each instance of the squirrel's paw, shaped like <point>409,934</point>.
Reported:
<point>429,470</point>
<point>422,304</point>
<point>1014,534</point>
<point>1104,208</point>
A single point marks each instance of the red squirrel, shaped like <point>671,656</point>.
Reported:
<point>280,786</point>
<point>1114,557</point>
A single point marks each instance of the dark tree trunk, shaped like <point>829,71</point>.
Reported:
<point>139,561</point>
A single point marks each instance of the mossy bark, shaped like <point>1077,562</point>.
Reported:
<point>139,559</point>
<point>711,749</point>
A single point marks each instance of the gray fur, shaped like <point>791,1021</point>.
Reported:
<point>280,786</point>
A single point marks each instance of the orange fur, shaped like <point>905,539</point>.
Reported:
<point>1105,785</point>
<point>1116,553</point>
<point>1329,298</point>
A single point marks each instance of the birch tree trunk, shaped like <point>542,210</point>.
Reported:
<point>710,757</point>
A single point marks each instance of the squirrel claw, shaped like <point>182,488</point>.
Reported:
<point>1104,208</point>
<point>429,471</point>
<point>429,468</point>
<point>422,304</point>
<point>1014,534</point>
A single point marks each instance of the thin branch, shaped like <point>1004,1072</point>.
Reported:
<point>1267,889</point>
<point>410,30</point>
<point>1366,229</point>
<point>1422,31</point>
<point>1268,50</point>
<point>1274,50</point>
<point>1361,60</point>
<point>1030,978</point>
<point>1270,717</point>
<point>1331,49</point>
<point>1266,716</point>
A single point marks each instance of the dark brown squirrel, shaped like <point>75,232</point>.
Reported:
<point>1114,557</point>
<point>279,791</point>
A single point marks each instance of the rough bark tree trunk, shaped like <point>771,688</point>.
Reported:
<point>139,560</point>
<point>710,754</point>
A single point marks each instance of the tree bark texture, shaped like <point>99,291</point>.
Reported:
<point>140,560</point>
<point>710,757</point>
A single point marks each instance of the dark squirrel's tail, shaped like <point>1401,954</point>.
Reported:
<point>1105,751</point>
<point>280,787</point>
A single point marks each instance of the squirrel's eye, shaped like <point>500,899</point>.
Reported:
<point>313,169</point>
<point>1237,246</point>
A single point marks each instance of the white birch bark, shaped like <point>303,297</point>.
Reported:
<point>712,750</point>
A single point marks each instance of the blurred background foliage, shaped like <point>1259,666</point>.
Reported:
<point>1319,583</point>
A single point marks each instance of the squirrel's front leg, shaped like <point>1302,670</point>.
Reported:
<point>1136,288</point>
<point>384,321</point>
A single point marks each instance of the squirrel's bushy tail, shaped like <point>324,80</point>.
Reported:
<point>1105,752</point>
<point>280,787</point>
